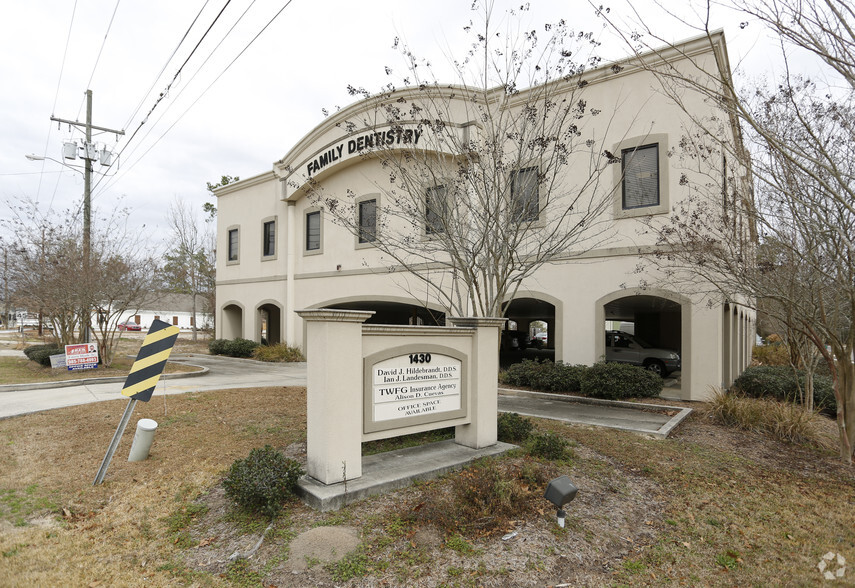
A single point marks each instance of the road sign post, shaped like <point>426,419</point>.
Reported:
<point>142,380</point>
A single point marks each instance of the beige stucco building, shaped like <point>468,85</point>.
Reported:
<point>279,250</point>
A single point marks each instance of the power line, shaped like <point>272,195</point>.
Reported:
<point>104,42</point>
<point>55,98</point>
<point>185,86</point>
<point>248,45</point>
<point>165,65</point>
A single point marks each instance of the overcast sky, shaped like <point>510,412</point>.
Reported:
<point>257,109</point>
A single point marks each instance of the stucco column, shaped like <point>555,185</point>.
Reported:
<point>334,393</point>
<point>484,373</point>
<point>290,262</point>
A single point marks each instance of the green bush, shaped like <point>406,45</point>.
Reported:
<point>780,383</point>
<point>546,376</point>
<point>549,446</point>
<point>42,356</point>
<point>232,347</point>
<point>262,481</point>
<point>32,350</point>
<point>217,346</point>
<point>278,353</point>
<point>512,428</point>
<point>617,381</point>
<point>240,347</point>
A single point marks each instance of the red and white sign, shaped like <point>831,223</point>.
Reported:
<point>82,356</point>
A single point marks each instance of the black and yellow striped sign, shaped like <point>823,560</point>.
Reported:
<point>150,361</point>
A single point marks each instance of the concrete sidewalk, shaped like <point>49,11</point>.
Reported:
<point>217,373</point>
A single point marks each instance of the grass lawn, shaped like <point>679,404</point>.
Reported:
<point>20,370</point>
<point>711,506</point>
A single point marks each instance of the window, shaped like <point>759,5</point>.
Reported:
<point>368,221</point>
<point>525,198</point>
<point>640,167</point>
<point>313,231</point>
<point>233,245</point>
<point>268,246</point>
<point>436,210</point>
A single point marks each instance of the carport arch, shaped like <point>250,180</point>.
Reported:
<point>556,332</point>
<point>275,321</point>
<point>232,313</point>
<point>351,301</point>
<point>685,323</point>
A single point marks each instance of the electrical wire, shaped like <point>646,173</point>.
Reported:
<point>165,65</point>
<point>55,99</point>
<point>103,43</point>
<point>238,56</point>
<point>186,85</point>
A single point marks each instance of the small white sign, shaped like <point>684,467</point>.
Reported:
<point>414,385</point>
<point>57,361</point>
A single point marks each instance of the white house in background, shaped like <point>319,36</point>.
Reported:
<point>280,252</point>
<point>175,309</point>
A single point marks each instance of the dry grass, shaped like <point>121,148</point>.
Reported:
<point>115,533</point>
<point>19,370</point>
<point>784,421</point>
<point>711,506</point>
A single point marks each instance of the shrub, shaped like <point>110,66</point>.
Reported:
<point>775,354</point>
<point>232,347</point>
<point>781,420</point>
<point>483,499</point>
<point>617,381</point>
<point>781,383</point>
<point>546,376</point>
<point>262,481</point>
<point>512,428</point>
<point>32,350</point>
<point>217,346</point>
<point>550,446</point>
<point>240,347</point>
<point>42,356</point>
<point>279,352</point>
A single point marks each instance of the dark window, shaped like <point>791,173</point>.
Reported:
<point>640,176</point>
<point>313,231</point>
<point>233,244</point>
<point>525,201</point>
<point>269,238</point>
<point>367,221</point>
<point>436,210</point>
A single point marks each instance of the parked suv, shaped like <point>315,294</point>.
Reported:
<point>625,348</point>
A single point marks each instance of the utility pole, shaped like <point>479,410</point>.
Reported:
<point>89,153</point>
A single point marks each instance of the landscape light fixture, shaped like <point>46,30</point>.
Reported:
<point>559,492</point>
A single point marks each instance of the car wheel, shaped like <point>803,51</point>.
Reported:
<point>655,366</point>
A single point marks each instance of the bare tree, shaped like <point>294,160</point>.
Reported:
<point>470,210</point>
<point>187,264</point>
<point>47,273</point>
<point>797,203</point>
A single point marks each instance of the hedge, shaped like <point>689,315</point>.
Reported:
<point>546,376</point>
<point>232,347</point>
<point>617,381</point>
<point>780,383</point>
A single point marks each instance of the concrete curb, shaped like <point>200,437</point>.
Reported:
<point>86,381</point>
<point>661,433</point>
<point>384,472</point>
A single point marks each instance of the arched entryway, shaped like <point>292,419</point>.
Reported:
<point>269,325</point>
<point>533,329</point>
<point>232,321</point>
<point>650,328</point>
<point>390,312</point>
